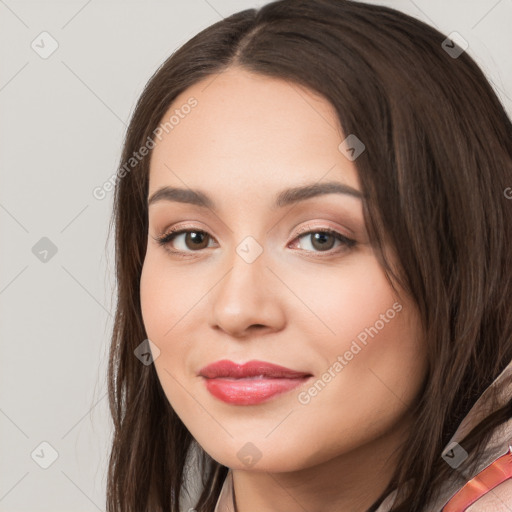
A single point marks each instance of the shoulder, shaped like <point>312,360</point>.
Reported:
<point>498,499</point>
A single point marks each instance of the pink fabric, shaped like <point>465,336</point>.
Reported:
<point>494,474</point>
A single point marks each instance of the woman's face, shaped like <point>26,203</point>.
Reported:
<point>258,279</point>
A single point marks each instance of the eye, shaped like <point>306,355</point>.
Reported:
<point>191,240</point>
<point>320,240</point>
<point>323,240</point>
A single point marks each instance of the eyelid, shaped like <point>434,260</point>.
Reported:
<point>313,227</point>
<point>302,230</point>
<point>309,228</point>
<point>183,227</point>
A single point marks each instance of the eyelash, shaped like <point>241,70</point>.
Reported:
<point>167,237</point>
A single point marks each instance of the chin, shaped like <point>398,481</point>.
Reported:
<point>261,457</point>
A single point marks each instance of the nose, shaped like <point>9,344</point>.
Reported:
<point>248,299</point>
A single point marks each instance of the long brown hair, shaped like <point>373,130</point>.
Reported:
<point>438,159</point>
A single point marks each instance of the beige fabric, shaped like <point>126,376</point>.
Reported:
<point>497,446</point>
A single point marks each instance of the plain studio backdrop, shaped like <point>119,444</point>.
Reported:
<point>70,76</point>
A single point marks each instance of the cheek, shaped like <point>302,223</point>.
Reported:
<point>166,296</point>
<point>370,344</point>
<point>346,300</point>
<point>163,306</point>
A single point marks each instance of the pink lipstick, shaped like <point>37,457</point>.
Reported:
<point>251,383</point>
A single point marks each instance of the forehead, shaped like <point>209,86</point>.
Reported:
<point>249,130</point>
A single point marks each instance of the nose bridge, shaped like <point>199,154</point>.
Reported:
<point>248,269</point>
<point>243,296</point>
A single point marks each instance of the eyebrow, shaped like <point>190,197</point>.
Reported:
<point>284,198</point>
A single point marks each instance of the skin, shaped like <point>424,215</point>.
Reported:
<point>296,305</point>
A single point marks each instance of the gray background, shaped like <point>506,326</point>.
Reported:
<point>62,123</point>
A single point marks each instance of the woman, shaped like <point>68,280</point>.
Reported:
<point>313,239</point>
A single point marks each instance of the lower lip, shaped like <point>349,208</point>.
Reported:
<point>250,391</point>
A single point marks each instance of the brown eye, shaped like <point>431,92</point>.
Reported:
<point>191,239</point>
<point>323,240</point>
<point>196,239</point>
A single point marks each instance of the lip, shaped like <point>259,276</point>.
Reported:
<point>251,383</point>
<point>227,368</point>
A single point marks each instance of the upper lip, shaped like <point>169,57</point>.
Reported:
<point>226,368</point>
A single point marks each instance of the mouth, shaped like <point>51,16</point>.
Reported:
<point>252,383</point>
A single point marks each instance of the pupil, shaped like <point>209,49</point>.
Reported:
<point>196,237</point>
<point>320,238</point>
